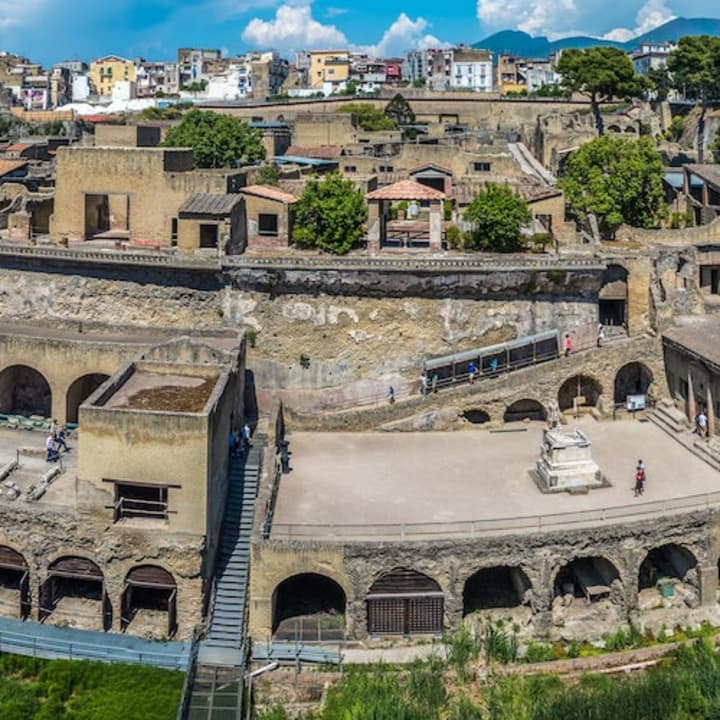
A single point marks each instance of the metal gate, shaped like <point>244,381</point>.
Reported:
<point>405,602</point>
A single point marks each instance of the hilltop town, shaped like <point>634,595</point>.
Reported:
<point>353,351</point>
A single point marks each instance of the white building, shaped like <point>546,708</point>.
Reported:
<point>471,70</point>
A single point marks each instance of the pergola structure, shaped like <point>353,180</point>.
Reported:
<point>380,200</point>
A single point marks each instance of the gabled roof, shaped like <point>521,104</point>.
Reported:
<point>269,193</point>
<point>430,166</point>
<point>209,204</point>
<point>10,166</point>
<point>406,190</point>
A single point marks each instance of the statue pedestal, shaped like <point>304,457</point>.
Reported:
<point>566,462</point>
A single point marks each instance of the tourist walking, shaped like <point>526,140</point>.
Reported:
<point>640,478</point>
<point>51,452</point>
<point>284,457</point>
<point>60,440</point>
<point>424,384</point>
<point>472,372</point>
<point>434,382</point>
<point>391,394</point>
<point>701,424</point>
<point>600,335</point>
<point>567,344</point>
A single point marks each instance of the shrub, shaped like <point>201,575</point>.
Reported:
<point>539,652</point>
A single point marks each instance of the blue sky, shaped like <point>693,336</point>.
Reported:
<point>52,30</point>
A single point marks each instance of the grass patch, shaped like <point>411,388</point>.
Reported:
<point>83,690</point>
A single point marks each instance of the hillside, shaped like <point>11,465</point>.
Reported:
<point>516,42</point>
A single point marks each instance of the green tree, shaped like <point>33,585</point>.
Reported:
<point>330,215</point>
<point>660,82</point>
<point>599,73</point>
<point>217,140</point>
<point>399,110</point>
<point>268,175</point>
<point>695,71</point>
<point>369,117</point>
<point>497,213</point>
<point>618,180</point>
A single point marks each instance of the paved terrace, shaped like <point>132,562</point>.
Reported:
<point>365,486</point>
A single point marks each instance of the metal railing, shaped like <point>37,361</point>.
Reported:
<point>37,646</point>
<point>188,683</point>
<point>492,526</point>
<point>272,500</point>
<point>131,508</point>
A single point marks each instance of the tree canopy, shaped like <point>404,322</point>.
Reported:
<point>218,141</point>
<point>399,110</point>
<point>617,179</point>
<point>599,73</point>
<point>694,68</point>
<point>330,215</point>
<point>369,117</point>
<point>268,175</point>
<point>496,214</point>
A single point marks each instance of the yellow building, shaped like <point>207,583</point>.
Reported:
<point>106,71</point>
<point>329,66</point>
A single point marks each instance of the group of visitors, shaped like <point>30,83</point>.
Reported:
<point>240,441</point>
<point>56,442</point>
<point>428,385</point>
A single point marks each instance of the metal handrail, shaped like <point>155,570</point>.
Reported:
<point>490,526</point>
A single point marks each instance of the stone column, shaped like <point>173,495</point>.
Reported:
<point>708,580</point>
<point>374,230</point>
<point>59,401</point>
<point>691,407</point>
<point>710,410</point>
<point>436,215</point>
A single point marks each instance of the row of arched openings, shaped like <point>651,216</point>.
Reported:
<point>578,391</point>
<point>25,391</point>
<point>75,585</point>
<point>407,602</point>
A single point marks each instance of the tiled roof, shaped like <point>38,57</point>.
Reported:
<point>406,190</point>
<point>8,166</point>
<point>269,192</point>
<point>209,204</point>
<point>430,166</point>
<point>322,152</point>
<point>18,147</point>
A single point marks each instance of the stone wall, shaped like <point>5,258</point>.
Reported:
<point>355,566</point>
<point>42,536</point>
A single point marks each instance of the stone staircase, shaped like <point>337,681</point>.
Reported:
<point>708,450</point>
<point>227,625</point>
<point>666,416</point>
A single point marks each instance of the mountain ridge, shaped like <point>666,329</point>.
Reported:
<point>516,42</point>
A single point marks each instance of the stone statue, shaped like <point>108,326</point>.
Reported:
<point>554,415</point>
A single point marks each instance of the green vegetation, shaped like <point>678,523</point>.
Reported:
<point>497,214</point>
<point>618,180</point>
<point>268,175</point>
<point>676,129</point>
<point>599,73</point>
<point>369,117</point>
<point>78,690</point>
<point>172,112</point>
<point>330,215</point>
<point>399,110</point>
<point>694,69</point>
<point>218,141</point>
<point>683,686</point>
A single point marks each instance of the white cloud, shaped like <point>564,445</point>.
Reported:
<point>404,34</point>
<point>651,15</point>
<point>293,28</point>
<point>18,14</point>
<point>536,17</point>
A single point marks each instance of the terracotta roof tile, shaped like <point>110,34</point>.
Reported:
<point>321,152</point>
<point>269,192</point>
<point>406,190</point>
<point>17,147</point>
<point>8,166</point>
